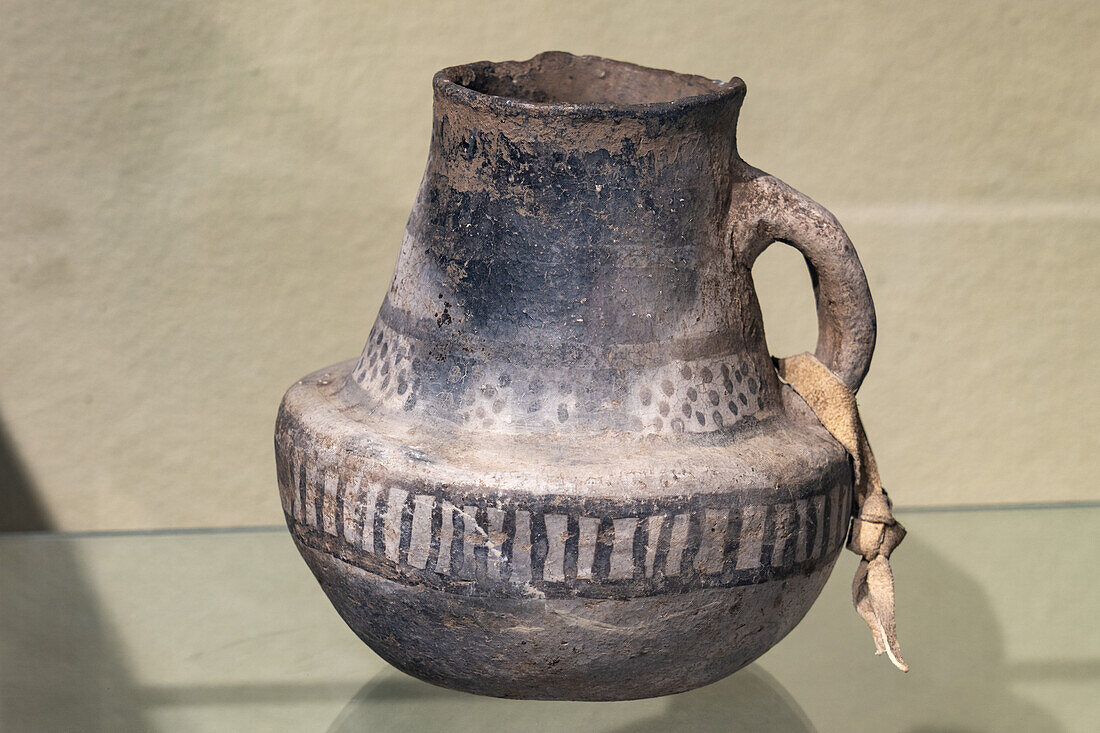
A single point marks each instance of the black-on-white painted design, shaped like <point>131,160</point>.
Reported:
<point>701,396</point>
<point>535,545</point>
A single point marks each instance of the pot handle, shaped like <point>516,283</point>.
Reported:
<point>845,311</point>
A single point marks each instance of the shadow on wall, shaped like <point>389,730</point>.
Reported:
<point>21,510</point>
<point>963,680</point>
<point>952,635</point>
<point>62,667</point>
<point>61,664</point>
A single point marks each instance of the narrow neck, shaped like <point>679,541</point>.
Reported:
<point>565,263</point>
<point>598,228</point>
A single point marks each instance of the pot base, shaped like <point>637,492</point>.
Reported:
<point>566,649</point>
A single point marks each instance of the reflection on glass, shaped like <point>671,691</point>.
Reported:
<point>750,700</point>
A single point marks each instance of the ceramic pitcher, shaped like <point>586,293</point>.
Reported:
<point>563,465</point>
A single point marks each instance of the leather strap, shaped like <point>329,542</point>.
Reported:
<point>874,532</point>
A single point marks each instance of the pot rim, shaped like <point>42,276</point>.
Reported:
<point>451,83</point>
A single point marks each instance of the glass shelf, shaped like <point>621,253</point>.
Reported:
<point>227,630</point>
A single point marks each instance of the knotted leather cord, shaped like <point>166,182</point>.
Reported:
<point>874,532</point>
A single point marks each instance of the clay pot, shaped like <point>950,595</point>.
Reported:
<point>564,466</point>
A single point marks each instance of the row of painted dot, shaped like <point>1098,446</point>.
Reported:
<point>707,395</point>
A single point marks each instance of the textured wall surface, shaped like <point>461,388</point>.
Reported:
<point>201,202</point>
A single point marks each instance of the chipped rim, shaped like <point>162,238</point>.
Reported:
<point>448,85</point>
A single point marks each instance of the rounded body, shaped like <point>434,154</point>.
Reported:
<point>564,466</point>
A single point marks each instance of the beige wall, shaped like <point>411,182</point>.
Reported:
<point>200,202</point>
